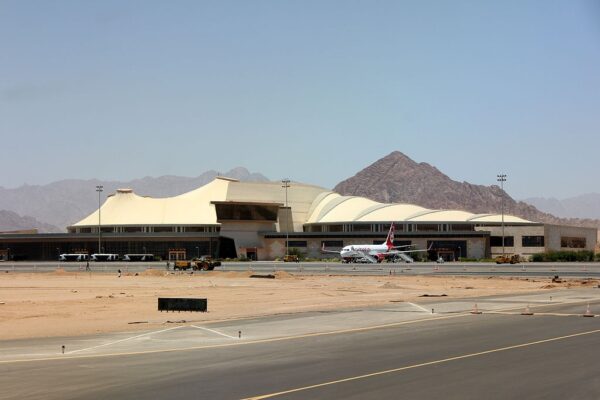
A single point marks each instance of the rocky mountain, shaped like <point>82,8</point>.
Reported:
<point>11,221</point>
<point>62,203</point>
<point>398,179</point>
<point>583,206</point>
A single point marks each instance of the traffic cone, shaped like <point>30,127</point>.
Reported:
<point>588,313</point>
<point>527,311</point>
<point>475,310</point>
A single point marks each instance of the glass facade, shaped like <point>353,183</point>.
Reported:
<point>496,241</point>
<point>332,243</point>
<point>50,249</point>
<point>572,242</point>
<point>246,212</point>
<point>297,243</point>
<point>532,241</point>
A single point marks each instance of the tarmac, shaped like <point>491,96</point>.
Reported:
<point>433,348</point>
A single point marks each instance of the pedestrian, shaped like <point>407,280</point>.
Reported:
<point>119,271</point>
<point>87,266</point>
<point>168,265</point>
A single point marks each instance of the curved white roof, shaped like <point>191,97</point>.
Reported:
<point>335,208</point>
<point>309,204</point>
<point>192,208</point>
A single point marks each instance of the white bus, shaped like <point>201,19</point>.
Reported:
<point>105,257</point>
<point>138,257</point>
<point>73,257</point>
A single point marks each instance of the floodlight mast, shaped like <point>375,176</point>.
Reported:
<point>286,185</point>
<point>99,189</point>
<point>502,178</point>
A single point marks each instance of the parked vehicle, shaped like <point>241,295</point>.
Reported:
<point>204,263</point>
<point>73,257</point>
<point>514,259</point>
<point>105,257</point>
<point>138,257</point>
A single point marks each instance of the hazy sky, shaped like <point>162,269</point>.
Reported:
<point>310,90</point>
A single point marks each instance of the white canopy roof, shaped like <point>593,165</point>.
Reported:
<point>309,204</point>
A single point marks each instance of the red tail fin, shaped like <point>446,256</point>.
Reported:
<point>389,241</point>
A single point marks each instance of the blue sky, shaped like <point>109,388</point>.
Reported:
<point>310,90</point>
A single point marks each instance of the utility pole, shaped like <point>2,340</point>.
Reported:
<point>99,189</point>
<point>502,178</point>
<point>286,185</point>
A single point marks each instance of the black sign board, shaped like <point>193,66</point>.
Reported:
<point>181,304</point>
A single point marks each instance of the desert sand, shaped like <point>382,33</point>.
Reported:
<point>79,303</point>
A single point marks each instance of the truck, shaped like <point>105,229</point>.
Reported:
<point>204,263</point>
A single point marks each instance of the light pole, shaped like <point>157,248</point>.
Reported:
<point>502,178</point>
<point>286,185</point>
<point>99,189</point>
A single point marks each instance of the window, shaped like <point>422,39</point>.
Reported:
<point>246,212</point>
<point>194,229</point>
<point>462,227</point>
<point>332,243</point>
<point>532,241</point>
<point>496,241</point>
<point>297,243</point>
<point>362,228</point>
<point>131,229</point>
<point>313,228</point>
<point>427,227</point>
<point>572,242</point>
<point>335,228</point>
<point>158,229</point>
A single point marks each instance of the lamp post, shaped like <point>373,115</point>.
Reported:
<point>286,185</point>
<point>502,178</point>
<point>99,189</point>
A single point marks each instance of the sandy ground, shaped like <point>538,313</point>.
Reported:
<point>79,303</point>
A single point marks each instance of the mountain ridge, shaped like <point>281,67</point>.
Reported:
<point>396,178</point>
<point>64,202</point>
<point>586,205</point>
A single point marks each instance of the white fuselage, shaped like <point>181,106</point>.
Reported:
<point>359,250</point>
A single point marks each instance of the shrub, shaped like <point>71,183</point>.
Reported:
<point>563,256</point>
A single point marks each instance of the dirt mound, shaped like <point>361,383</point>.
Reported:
<point>231,274</point>
<point>389,285</point>
<point>283,275</point>
<point>548,286</point>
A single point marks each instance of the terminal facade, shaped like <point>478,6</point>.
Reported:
<point>231,219</point>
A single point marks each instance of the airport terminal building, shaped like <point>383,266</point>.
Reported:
<point>227,218</point>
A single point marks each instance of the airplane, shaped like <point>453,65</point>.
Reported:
<point>374,253</point>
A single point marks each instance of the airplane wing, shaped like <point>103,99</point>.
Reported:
<point>404,245</point>
<point>392,252</point>
<point>323,250</point>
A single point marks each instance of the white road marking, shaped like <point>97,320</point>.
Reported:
<point>213,331</point>
<point>425,364</point>
<point>419,307</point>
<point>123,340</point>
<point>269,340</point>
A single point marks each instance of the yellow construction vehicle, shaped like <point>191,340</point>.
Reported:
<point>506,259</point>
